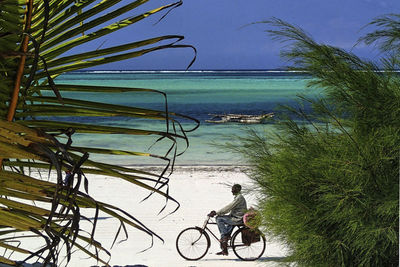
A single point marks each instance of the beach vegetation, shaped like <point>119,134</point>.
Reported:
<point>329,179</point>
<point>40,40</point>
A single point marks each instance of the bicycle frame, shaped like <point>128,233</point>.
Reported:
<point>205,229</point>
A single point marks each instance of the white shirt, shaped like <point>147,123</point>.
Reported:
<point>237,207</point>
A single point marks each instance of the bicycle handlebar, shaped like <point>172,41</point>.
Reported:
<point>207,220</point>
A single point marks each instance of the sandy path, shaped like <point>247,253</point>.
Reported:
<point>197,190</point>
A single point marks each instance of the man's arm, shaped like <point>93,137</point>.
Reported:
<point>229,207</point>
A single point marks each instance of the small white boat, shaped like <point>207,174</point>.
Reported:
<point>239,118</point>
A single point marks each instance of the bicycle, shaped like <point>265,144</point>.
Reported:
<point>193,243</point>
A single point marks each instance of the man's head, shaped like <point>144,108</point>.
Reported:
<point>236,188</point>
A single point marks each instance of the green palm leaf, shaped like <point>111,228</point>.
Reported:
<point>35,135</point>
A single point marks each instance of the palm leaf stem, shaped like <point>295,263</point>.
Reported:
<point>54,127</point>
<point>14,248</point>
<point>110,50</point>
<point>83,249</point>
<point>91,88</point>
<point>46,166</point>
<point>100,61</point>
<point>7,261</point>
<point>21,66</point>
<point>92,105</point>
<point>126,109</point>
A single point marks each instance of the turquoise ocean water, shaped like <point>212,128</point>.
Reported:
<point>194,93</point>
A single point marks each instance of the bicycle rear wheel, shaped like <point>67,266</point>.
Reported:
<point>247,252</point>
<point>192,243</point>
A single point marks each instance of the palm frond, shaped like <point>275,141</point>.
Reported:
<point>36,134</point>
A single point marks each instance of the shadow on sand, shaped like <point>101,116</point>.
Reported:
<point>262,259</point>
<point>136,265</point>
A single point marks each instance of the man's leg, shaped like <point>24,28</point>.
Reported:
<point>225,226</point>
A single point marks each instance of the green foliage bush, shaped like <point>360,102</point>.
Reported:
<point>330,186</point>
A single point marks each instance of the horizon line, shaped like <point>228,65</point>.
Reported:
<point>276,70</point>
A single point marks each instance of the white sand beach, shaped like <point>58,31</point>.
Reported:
<point>198,190</point>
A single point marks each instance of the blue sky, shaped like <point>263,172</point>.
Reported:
<point>215,28</point>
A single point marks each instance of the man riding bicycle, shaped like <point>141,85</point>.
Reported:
<point>236,210</point>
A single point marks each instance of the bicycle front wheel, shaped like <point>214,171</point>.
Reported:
<point>192,243</point>
<point>246,251</point>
